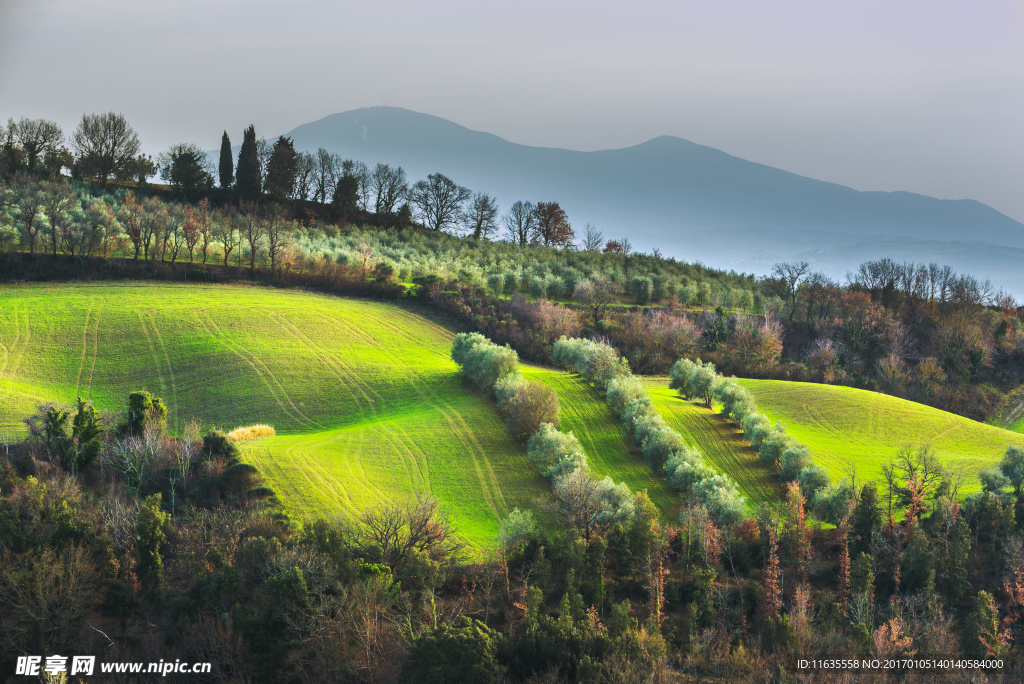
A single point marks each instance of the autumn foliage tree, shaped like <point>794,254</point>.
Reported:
<point>551,227</point>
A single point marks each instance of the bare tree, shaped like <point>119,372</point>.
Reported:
<point>134,455</point>
<point>250,226</point>
<point>593,239</point>
<point>362,172</point>
<point>36,137</point>
<point>305,176</point>
<point>264,151</point>
<point>278,231</point>
<point>439,201</point>
<point>788,278</point>
<point>227,235</point>
<point>389,186</point>
<point>390,533</point>
<point>325,174</point>
<point>519,222</point>
<point>482,216</point>
<point>105,145</point>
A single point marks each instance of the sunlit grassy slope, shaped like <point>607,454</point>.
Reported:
<point>845,427</point>
<point>367,404</point>
<point>720,442</point>
<point>584,412</point>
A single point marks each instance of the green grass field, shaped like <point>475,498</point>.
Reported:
<point>843,426</point>
<point>366,402</point>
<point>721,442</point>
<point>369,408</point>
<point>584,412</point>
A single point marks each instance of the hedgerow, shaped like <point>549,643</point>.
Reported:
<point>662,447</point>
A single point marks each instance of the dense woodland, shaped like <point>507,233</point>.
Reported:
<point>119,537</point>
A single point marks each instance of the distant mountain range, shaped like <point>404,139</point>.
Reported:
<point>688,200</point>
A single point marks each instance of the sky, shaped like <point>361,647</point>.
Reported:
<point>919,95</point>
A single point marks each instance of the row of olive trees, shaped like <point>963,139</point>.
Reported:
<point>591,505</point>
<point>776,449</point>
<point>54,217</point>
<point>662,447</point>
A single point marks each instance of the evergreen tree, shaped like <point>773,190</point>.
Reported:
<point>282,168</point>
<point>151,531</point>
<point>956,565</point>
<point>247,174</point>
<point>85,433</point>
<point>866,517</point>
<point>227,164</point>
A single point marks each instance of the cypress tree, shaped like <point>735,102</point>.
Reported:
<point>227,164</point>
<point>247,174</point>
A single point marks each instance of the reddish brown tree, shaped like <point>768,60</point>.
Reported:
<point>552,226</point>
<point>772,603</point>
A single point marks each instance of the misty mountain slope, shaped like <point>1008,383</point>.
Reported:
<point>689,200</point>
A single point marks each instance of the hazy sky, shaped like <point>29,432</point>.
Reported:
<point>919,95</point>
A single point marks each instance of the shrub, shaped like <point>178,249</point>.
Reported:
<point>687,294</point>
<point>736,402</point>
<point>795,458</point>
<point>596,362</point>
<point>680,375</point>
<point>554,453</point>
<point>813,478</point>
<point>719,495</point>
<point>622,391</point>
<point>244,434</point>
<point>756,427</point>
<point>496,283</point>
<point>537,286</point>
<point>638,411</point>
<point>641,287</point>
<point>511,282</point>
<point>532,405</point>
<point>555,287</point>
<point>463,652</point>
<point>831,503</point>
<point>483,362</point>
<point>772,446</point>
<point>702,382</point>
<point>659,444</point>
<point>217,445</point>
<point>685,467</point>
<point>506,387</point>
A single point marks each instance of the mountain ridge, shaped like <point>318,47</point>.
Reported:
<point>689,200</point>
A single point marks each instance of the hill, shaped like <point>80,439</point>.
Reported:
<point>366,402</point>
<point>689,200</point>
<point>845,426</point>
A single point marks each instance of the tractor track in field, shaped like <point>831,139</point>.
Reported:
<point>157,363</point>
<point>256,363</point>
<point>335,366</point>
<point>95,347</point>
<point>170,368</point>
<point>19,353</point>
<point>485,485</point>
<point>85,347</point>
<point>416,379</point>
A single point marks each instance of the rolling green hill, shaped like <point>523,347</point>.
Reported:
<point>366,402</point>
<point>845,426</point>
